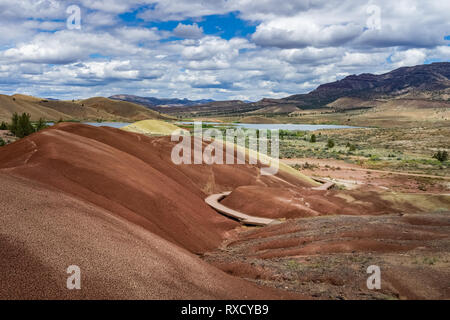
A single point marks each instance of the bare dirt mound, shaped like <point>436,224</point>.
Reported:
<point>348,103</point>
<point>152,127</point>
<point>121,109</point>
<point>297,202</point>
<point>328,257</point>
<point>90,109</point>
<point>31,105</point>
<point>118,181</point>
<point>258,119</point>
<point>44,231</point>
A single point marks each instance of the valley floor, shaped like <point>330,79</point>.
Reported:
<point>353,176</point>
<point>328,257</point>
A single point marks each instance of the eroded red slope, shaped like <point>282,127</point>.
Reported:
<point>43,231</point>
<point>132,176</point>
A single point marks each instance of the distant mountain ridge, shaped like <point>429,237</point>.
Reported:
<point>402,81</point>
<point>433,76</point>
<point>423,82</point>
<point>153,102</point>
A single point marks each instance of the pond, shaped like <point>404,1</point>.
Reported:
<point>117,125</point>
<point>280,126</point>
<point>256,126</point>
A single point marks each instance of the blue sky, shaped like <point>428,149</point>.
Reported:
<point>226,26</point>
<point>234,49</point>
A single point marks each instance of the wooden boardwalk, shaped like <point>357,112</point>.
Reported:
<point>325,184</point>
<point>214,202</point>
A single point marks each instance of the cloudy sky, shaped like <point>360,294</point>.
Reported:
<point>219,49</point>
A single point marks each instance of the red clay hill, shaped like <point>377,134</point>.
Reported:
<point>113,203</point>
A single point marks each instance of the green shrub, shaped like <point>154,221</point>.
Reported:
<point>313,138</point>
<point>14,123</point>
<point>41,124</point>
<point>4,126</point>
<point>2,142</point>
<point>21,125</point>
<point>330,144</point>
<point>351,147</point>
<point>441,156</point>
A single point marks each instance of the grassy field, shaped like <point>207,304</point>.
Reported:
<point>396,149</point>
<point>408,150</point>
<point>401,136</point>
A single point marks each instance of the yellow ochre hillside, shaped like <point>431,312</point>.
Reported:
<point>162,128</point>
<point>152,127</point>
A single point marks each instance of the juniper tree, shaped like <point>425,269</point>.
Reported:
<point>441,156</point>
